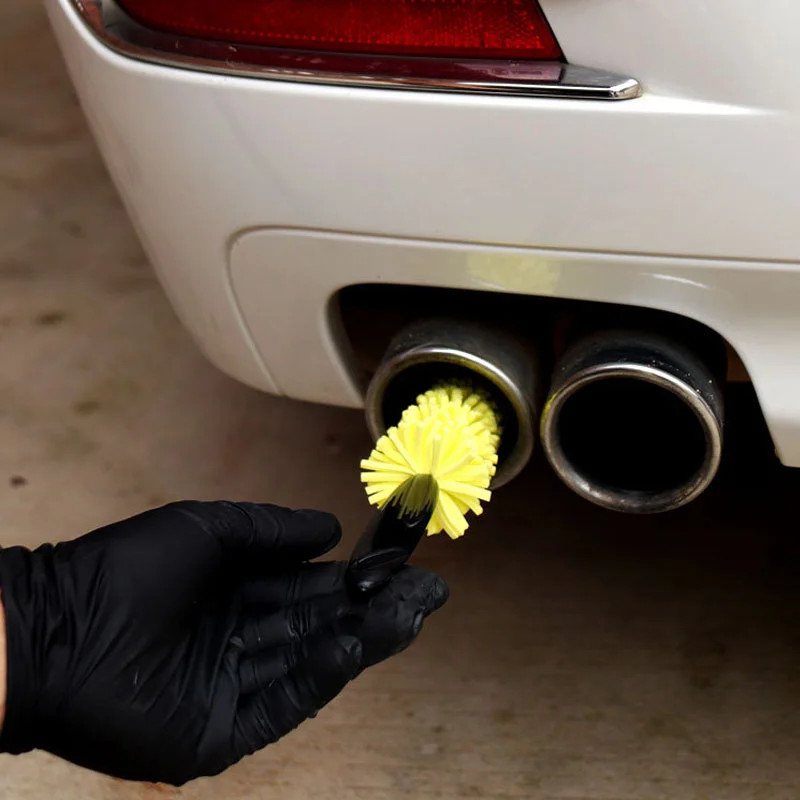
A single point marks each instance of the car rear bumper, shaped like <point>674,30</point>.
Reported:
<point>257,200</point>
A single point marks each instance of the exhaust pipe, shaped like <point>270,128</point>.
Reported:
<point>432,351</point>
<point>634,422</point>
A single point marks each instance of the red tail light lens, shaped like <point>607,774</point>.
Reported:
<point>501,29</point>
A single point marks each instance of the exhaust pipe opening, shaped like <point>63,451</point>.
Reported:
<point>634,423</point>
<point>432,352</point>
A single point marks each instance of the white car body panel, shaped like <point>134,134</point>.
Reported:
<point>257,200</point>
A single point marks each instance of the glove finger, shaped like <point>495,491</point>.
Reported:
<point>292,623</point>
<point>257,672</point>
<point>294,586</point>
<point>393,618</point>
<point>256,530</point>
<point>265,717</point>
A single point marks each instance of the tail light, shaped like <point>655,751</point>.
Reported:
<point>487,46</point>
<point>472,29</point>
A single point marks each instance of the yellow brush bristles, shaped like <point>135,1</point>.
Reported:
<point>451,433</point>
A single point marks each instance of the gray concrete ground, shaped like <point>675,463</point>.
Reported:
<point>583,655</point>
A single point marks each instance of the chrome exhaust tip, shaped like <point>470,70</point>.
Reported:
<point>634,423</point>
<point>435,350</point>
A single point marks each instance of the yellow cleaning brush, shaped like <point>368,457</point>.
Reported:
<point>451,433</point>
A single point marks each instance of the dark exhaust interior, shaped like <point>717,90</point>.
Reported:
<point>630,435</point>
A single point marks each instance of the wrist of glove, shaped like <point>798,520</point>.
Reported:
<point>169,646</point>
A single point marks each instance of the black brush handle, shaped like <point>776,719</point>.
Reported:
<point>385,547</point>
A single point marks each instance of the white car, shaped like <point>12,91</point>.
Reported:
<point>591,209</point>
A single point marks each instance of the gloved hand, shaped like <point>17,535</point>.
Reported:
<point>170,645</point>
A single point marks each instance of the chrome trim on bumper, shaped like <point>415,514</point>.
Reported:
<point>114,28</point>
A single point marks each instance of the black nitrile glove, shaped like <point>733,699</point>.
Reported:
<point>168,646</point>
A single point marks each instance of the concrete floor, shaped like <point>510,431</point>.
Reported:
<point>582,656</point>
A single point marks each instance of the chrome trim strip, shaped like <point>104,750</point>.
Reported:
<point>114,28</point>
